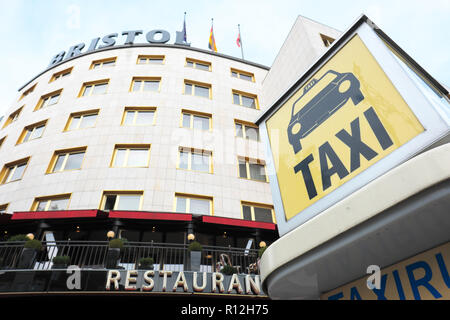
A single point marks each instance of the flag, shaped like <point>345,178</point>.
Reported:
<point>184,29</point>
<point>212,41</point>
<point>238,40</point>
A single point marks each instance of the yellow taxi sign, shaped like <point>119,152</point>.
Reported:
<point>346,118</point>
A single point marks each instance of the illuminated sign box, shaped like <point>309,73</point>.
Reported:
<point>423,277</point>
<point>358,112</point>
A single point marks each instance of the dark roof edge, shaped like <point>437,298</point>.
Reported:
<point>335,46</point>
<point>147,45</point>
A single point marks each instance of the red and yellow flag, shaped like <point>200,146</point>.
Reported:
<point>212,41</point>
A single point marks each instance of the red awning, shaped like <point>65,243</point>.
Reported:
<point>63,214</point>
<point>239,222</point>
<point>150,215</point>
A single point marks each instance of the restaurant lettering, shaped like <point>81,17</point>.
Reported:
<point>179,281</point>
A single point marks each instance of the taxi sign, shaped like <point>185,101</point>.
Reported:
<point>354,116</point>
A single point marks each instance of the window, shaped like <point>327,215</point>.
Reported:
<point>196,120</point>
<point>198,64</point>
<point>246,130</point>
<point>81,120</point>
<point>61,74</point>
<point>136,156</point>
<point>138,116</point>
<point>139,84</point>
<point>245,99</point>
<point>327,41</point>
<point>122,200</point>
<point>94,88</point>
<point>13,117</point>
<point>252,169</point>
<point>32,131</point>
<point>257,212</point>
<point>194,159</point>
<point>235,73</point>
<point>51,203</point>
<point>48,99</point>
<point>185,203</point>
<point>27,92</point>
<point>3,208</point>
<point>109,62</point>
<point>197,89</point>
<point>150,59</point>
<point>14,171</point>
<point>68,159</point>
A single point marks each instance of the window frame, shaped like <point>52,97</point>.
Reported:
<point>197,151</point>
<point>101,63</point>
<point>42,100</point>
<point>252,206</point>
<point>136,111</point>
<point>143,79</point>
<point>195,62</point>
<point>192,114</point>
<point>49,200</point>
<point>128,148</point>
<point>13,117</point>
<point>249,161</point>
<point>326,40</point>
<point>244,125</point>
<point>93,84</point>
<point>80,114</point>
<point>118,193</point>
<point>194,84</point>
<point>188,198</point>
<point>27,92</point>
<point>247,95</point>
<point>60,74</point>
<point>239,72</point>
<point>4,208</point>
<point>32,127</point>
<point>12,166</point>
<point>66,153</point>
<point>149,58</point>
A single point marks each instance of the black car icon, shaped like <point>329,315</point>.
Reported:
<point>313,108</point>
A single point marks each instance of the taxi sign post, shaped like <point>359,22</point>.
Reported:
<point>358,112</point>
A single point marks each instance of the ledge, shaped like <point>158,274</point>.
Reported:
<point>239,222</point>
<point>150,215</point>
<point>62,214</point>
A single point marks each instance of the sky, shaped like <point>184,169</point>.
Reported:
<point>33,31</point>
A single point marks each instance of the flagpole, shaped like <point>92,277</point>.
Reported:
<point>240,40</point>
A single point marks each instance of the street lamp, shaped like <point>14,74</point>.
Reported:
<point>110,235</point>
<point>191,237</point>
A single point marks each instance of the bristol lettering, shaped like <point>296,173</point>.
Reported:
<point>357,147</point>
<point>153,36</point>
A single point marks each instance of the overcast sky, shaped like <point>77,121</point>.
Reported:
<point>33,31</point>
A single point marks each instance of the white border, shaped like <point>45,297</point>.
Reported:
<point>426,111</point>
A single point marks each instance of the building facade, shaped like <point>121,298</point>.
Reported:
<point>155,142</point>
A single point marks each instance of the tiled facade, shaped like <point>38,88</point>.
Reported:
<point>161,180</point>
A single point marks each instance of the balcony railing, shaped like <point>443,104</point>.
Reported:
<point>93,255</point>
